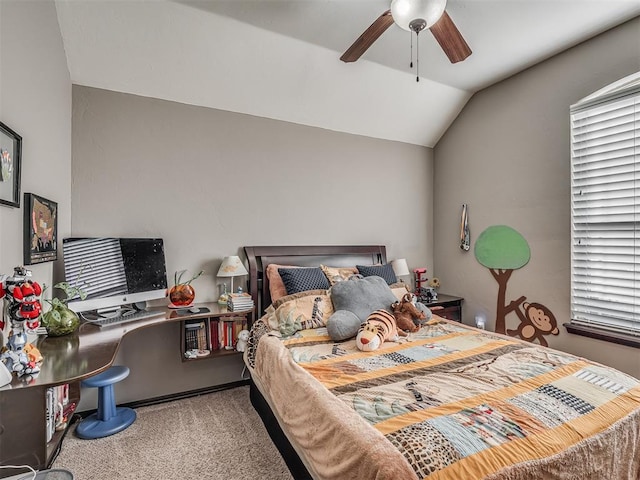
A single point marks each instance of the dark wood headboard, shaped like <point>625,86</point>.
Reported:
<point>307,256</point>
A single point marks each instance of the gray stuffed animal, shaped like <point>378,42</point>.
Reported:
<point>353,301</point>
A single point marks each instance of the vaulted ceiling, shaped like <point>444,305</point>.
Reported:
<point>280,58</point>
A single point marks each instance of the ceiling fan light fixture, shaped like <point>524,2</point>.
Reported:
<point>417,25</point>
<point>408,13</point>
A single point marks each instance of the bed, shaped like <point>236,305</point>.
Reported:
<point>448,402</point>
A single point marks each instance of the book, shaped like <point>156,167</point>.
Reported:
<point>244,304</point>
<point>232,308</point>
<point>214,335</point>
<point>202,338</point>
<point>239,301</point>
<point>228,338</point>
<point>239,295</point>
<point>228,329</point>
<point>58,409</point>
<point>195,336</point>
<point>50,413</point>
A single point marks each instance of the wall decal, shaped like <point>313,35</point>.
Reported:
<point>536,321</point>
<point>502,250</point>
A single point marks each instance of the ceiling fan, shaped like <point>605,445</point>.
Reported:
<point>414,16</point>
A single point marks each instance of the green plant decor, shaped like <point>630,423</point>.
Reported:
<point>60,319</point>
<point>177,277</point>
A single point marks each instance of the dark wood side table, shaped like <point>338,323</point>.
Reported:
<point>447,306</point>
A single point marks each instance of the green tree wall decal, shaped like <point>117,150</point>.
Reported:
<point>502,250</point>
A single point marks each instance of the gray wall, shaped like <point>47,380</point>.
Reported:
<point>508,156</point>
<point>35,101</point>
<point>210,182</point>
<point>148,167</point>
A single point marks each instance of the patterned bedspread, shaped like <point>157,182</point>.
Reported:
<point>453,403</point>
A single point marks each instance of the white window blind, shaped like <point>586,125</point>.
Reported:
<point>605,192</point>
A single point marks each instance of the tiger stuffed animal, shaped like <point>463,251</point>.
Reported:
<point>379,327</point>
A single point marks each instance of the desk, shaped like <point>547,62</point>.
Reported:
<point>68,359</point>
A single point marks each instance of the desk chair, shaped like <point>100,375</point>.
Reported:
<point>109,419</point>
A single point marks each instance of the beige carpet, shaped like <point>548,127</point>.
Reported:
<point>214,436</point>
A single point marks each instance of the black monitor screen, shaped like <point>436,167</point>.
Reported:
<point>110,269</point>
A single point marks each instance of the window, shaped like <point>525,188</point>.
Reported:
<point>605,213</point>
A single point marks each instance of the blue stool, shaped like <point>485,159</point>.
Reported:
<point>109,419</point>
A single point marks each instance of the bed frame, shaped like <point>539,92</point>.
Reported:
<point>308,256</point>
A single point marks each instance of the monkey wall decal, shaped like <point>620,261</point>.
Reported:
<point>535,321</point>
<point>503,250</point>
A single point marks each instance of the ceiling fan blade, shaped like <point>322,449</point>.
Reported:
<point>370,35</point>
<point>450,39</point>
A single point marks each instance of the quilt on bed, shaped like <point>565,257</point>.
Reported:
<point>452,403</point>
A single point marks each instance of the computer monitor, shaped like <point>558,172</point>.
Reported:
<point>114,271</point>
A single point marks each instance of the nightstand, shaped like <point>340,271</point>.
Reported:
<point>447,306</point>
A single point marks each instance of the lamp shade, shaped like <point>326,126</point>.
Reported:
<point>232,267</point>
<point>406,11</point>
<point>400,267</point>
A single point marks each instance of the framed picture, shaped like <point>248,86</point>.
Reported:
<point>10,154</point>
<point>40,229</point>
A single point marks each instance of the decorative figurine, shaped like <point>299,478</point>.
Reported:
<point>224,296</point>
<point>241,343</point>
<point>425,294</point>
<point>420,276</point>
<point>22,309</point>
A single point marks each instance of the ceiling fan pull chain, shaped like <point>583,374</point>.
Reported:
<point>411,62</point>
<point>417,57</point>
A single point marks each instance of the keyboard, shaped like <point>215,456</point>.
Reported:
<point>125,317</point>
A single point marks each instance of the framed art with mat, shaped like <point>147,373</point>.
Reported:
<point>40,229</point>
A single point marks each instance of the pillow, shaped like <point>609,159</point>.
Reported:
<point>276,287</point>
<point>301,279</point>
<point>384,271</point>
<point>399,290</point>
<point>359,296</point>
<point>338,274</point>
<point>302,310</point>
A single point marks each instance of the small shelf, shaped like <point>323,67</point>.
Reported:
<point>212,330</point>
<point>53,444</point>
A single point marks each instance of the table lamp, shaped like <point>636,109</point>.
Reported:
<point>232,267</point>
<point>400,267</point>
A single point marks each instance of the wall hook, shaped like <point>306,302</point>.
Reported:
<point>465,235</point>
